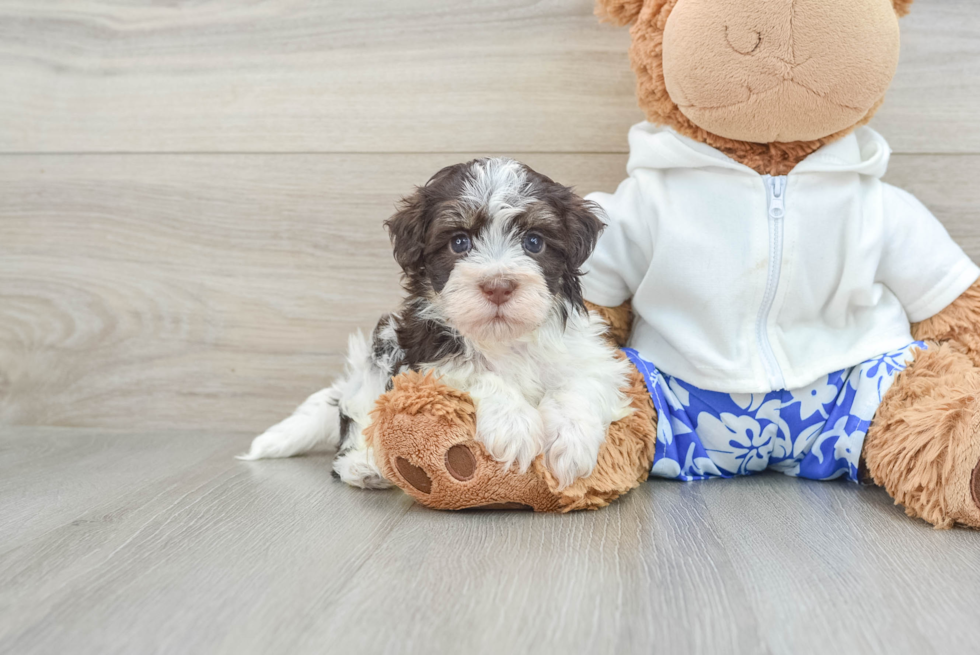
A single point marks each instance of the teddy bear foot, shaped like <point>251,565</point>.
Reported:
<point>424,437</point>
<point>963,495</point>
<point>423,433</point>
<point>924,445</point>
<point>962,492</point>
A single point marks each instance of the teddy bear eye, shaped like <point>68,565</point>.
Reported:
<point>460,244</point>
<point>533,243</point>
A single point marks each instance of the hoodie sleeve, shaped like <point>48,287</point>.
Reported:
<point>622,256</point>
<point>921,263</point>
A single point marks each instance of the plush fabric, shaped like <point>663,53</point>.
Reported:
<point>421,425</point>
<point>647,55</point>
<point>689,239</point>
<point>804,69</point>
<point>416,425</point>
<point>956,324</point>
<point>924,445</point>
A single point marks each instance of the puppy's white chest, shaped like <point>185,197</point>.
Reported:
<point>530,370</point>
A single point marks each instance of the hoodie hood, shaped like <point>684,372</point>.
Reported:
<point>864,151</point>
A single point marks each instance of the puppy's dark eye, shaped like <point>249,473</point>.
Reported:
<point>534,243</point>
<point>460,244</point>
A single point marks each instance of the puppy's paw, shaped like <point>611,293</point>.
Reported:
<point>574,437</point>
<point>511,431</point>
<point>358,469</point>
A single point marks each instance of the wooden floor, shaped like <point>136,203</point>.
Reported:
<point>191,200</point>
<point>154,542</point>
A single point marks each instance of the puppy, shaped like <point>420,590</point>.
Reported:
<point>491,252</point>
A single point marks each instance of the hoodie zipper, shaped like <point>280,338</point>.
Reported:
<point>776,211</point>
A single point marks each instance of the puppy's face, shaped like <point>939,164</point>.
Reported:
<point>494,247</point>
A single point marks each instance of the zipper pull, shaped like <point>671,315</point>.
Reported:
<point>777,208</point>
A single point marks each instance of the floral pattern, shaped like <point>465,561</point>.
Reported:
<point>816,433</point>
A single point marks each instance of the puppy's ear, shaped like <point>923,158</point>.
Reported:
<point>407,231</point>
<point>583,227</point>
<point>622,12</point>
<point>408,227</point>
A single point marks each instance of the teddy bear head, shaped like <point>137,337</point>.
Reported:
<point>765,81</point>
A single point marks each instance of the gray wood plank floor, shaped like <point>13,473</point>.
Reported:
<point>155,542</point>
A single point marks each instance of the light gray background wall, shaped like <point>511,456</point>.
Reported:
<point>191,193</point>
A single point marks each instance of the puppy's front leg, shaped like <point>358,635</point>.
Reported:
<point>576,418</point>
<point>509,426</point>
<point>358,468</point>
<point>574,432</point>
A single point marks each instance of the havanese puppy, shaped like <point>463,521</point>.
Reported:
<point>491,252</point>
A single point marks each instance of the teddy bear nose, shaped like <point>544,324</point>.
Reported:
<point>498,290</point>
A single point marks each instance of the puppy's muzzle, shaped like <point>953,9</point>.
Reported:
<point>498,290</point>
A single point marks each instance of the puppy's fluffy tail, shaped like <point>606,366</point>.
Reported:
<point>316,421</point>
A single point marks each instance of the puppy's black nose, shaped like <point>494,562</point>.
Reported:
<point>498,290</point>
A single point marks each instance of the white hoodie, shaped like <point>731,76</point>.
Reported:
<point>744,283</point>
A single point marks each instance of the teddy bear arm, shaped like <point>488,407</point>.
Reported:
<point>619,319</point>
<point>958,324</point>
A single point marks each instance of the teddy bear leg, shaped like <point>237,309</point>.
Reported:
<point>924,444</point>
<point>424,436</point>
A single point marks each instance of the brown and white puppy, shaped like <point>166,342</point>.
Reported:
<point>491,252</point>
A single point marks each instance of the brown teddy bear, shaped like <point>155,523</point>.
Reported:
<point>760,251</point>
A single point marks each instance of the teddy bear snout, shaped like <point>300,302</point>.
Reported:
<point>769,70</point>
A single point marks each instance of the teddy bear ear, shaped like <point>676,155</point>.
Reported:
<point>624,12</point>
<point>903,7</point>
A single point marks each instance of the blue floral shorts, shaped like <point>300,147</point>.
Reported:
<point>817,432</point>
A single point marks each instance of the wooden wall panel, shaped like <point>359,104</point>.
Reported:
<point>386,76</point>
<point>215,291</point>
<point>199,290</point>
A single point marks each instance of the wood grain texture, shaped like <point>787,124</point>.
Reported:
<point>208,555</point>
<point>217,291</point>
<point>386,76</point>
<point>208,291</point>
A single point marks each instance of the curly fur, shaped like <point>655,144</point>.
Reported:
<point>618,12</point>
<point>956,324</point>
<point>925,441</point>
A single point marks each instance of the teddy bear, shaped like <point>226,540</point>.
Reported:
<point>784,308</point>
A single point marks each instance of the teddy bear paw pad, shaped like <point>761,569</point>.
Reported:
<point>975,486</point>
<point>461,463</point>
<point>414,475</point>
